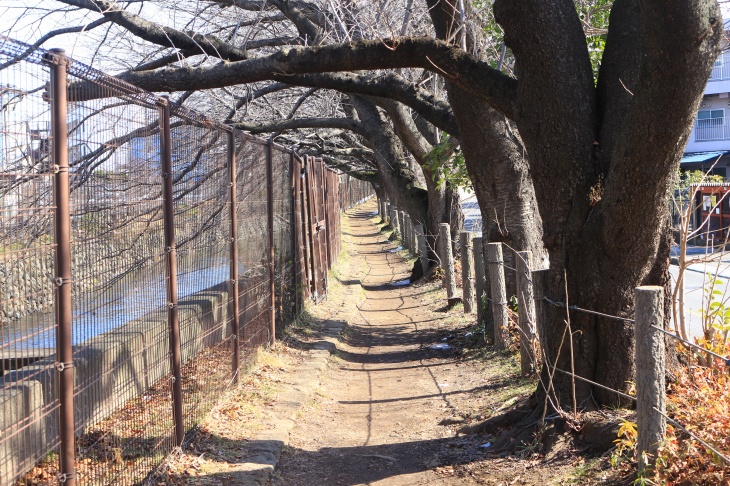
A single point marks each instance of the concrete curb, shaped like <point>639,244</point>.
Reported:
<point>265,447</point>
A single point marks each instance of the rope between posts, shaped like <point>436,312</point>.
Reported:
<point>579,309</point>
<point>677,424</point>
<point>494,301</point>
<point>596,384</point>
<point>725,359</point>
<point>502,264</point>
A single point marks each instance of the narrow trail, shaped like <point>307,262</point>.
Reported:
<point>376,417</point>
<point>370,389</point>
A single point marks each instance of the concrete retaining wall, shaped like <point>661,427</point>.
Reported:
<point>110,369</point>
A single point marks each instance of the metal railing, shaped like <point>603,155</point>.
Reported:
<point>713,129</point>
<point>145,251</point>
<point>721,69</point>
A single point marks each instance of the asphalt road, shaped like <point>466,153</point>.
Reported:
<point>697,278</point>
<point>696,275</point>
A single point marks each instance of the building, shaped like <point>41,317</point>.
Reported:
<point>708,148</point>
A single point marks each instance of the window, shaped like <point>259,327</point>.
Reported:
<point>711,118</point>
<point>710,125</point>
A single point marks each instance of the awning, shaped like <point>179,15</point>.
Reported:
<point>694,157</point>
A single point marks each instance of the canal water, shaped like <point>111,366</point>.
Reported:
<point>130,298</point>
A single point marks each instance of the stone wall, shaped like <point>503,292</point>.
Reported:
<point>110,369</point>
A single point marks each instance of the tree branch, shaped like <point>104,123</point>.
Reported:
<point>163,36</point>
<point>52,34</point>
<point>473,75</point>
<point>342,123</point>
<point>387,85</point>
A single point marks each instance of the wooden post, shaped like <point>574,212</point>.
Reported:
<point>526,311</point>
<point>407,232</point>
<point>414,239</point>
<point>404,228</point>
<point>447,261</point>
<point>650,387</point>
<point>413,243</point>
<point>394,220</point>
<point>422,248</point>
<point>467,272</point>
<point>479,278</point>
<point>401,224</point>
<point>495,261</point>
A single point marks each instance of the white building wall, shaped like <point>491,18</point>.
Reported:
<point>721,135</point>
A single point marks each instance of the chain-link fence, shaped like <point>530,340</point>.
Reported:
<point>145,251</point>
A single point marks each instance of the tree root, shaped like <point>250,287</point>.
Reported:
<point>517,431</point>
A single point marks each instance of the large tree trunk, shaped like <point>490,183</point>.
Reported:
<point>496,161</point>
<point>501,179</point>
<point>444,204</point>
<point>603,160</point>
<point>397,179</point>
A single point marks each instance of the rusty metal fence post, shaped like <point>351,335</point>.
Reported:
<point>316,257</point>
<point>293,215</point>
<point>233,280</point>
<point>62,235</point>
<point>168,210</point>
<point>327,215</point>
<point>270,232</point>
<point>304,228</point>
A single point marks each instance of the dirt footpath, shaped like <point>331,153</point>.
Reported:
<point>396,391</point>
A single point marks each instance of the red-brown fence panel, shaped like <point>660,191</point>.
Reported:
<point>185,248</point>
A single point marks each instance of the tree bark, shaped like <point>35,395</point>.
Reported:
<point>398,181</point>
<point>604,206</point>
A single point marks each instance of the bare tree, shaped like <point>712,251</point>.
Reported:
<point>602,145</point>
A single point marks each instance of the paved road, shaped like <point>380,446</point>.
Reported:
<point>696,279</point>
<point>696,276</point>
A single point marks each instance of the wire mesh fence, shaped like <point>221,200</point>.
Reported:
<point>145,252</point>
<point>652,412</point>
<point>27,252</point>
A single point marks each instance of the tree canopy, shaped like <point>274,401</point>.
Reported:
<point>572,133</point>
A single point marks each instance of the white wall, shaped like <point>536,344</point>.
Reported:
<point>711,103</point>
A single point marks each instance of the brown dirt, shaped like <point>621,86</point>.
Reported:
<point>389,405</point>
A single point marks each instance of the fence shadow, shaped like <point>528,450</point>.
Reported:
<point>355,465</point>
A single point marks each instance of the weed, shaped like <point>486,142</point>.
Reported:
<point>625,443</point>
<point>584,471</point>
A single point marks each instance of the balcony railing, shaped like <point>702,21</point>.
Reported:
<point>713,129</point>
<point>722,68</point>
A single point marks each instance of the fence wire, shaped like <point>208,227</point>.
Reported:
<point>27,249</point>
<point>138,270</point>
<point>121,353</point>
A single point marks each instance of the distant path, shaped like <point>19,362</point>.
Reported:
<point>376,417</point>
